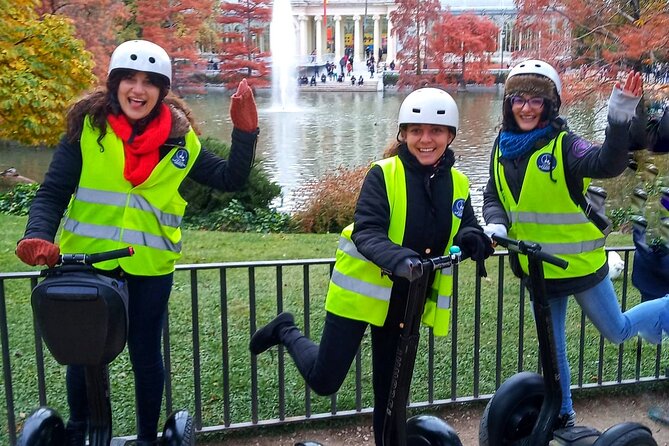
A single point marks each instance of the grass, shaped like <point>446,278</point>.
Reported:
<point>206,247</point>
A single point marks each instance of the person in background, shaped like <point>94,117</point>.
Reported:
<point>534,157</point>
<point>650,271</point>
<point>116,176</point>
<point>413,205</point>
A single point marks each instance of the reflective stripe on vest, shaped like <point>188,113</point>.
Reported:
<point>546,214</point>
<point>358,288</point>
<point>108,212</point>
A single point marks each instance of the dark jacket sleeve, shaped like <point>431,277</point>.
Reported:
<point>231,174</point>
<point>585,159</point>
<point>53,195</point>
<point>372,220</point>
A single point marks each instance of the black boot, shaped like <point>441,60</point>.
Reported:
<point>268,336</point>
<point>75,433</point>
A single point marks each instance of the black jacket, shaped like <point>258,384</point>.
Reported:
<point>428,225</point>
<point>583,159</point>
<point>62,178</point>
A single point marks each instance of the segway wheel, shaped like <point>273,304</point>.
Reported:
<point>512,412</point>
<point>626,434</point>
<point>428,430</point>
<point>179,430</point>
<point>44,427</point>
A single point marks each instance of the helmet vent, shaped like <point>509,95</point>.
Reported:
<point>133,56</point>
<point>441,112</point>
<point>152,60</point>
<point>416,110</point>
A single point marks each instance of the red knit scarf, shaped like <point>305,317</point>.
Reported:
<point>142,153</point>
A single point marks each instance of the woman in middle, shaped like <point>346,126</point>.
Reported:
<point>413,204</point>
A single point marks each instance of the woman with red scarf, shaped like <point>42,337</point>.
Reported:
<point>116,176</point>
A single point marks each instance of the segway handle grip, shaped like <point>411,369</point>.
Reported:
<point>529,248</point>
<point>441,262</point>
<point>89,259</point>
<point>548,258</point>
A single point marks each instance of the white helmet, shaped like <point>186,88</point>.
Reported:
<point>141,55</point>
<point>429,106</point>
<point>539,67</point>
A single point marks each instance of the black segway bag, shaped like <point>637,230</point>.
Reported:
<point>82,316</point>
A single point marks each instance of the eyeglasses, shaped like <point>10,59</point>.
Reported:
<point>519,102</point>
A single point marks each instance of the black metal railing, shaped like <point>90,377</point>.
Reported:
<point>214,309</point>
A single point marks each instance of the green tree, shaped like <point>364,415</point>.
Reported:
<point>97,23</point>
<point>42,68</point>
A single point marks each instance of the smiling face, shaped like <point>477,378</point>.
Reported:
<point>137,95</point>
<point>527,111</point>
<point>427,142</point>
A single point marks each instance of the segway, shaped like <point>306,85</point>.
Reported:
<point>83,320</point>
<point>525,408</point>
<point>419,430</point>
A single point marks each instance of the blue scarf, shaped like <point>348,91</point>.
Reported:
<point>512,145</point>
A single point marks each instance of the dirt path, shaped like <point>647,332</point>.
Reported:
<point>593,410</point>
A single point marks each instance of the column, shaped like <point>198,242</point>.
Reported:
<point>390,43</point>
<point>377,37</point>
<point>304,39</point>
<point>319,38</point>
<point>338,38</point>
<point>358,54</point>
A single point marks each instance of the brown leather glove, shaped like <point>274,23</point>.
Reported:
<point>243,110</point>
<point>35,251</point>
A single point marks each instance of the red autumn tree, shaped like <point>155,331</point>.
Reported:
<point>243,24</point>
<point>461,46</point>
<point>413,21</point>
<point>600,37</point>
<point>175,26</point>
<point>96,23</point>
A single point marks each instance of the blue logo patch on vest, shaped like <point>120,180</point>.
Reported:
<point>459,207</point>
<point>180,159</point>
<point>546,162</point>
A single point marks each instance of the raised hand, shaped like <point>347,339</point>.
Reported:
<point>633,85</point>
<point>243,111</point>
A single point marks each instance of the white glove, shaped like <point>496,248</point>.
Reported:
<point>494,229</point>
<point>622,106</point>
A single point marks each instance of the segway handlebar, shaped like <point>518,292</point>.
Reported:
<point>441,262</point>
<point>89,259</point>
<point>529,248</point>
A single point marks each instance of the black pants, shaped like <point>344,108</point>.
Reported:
<point>147,304</point>
<point>325,366</point>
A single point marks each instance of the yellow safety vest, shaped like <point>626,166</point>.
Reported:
<point>107,212</point>
<point>546,214</point>
<point>360,290</point>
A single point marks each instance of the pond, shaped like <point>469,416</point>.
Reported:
<point>332,129</point>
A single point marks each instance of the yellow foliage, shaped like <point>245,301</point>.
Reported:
<point>43,67</point>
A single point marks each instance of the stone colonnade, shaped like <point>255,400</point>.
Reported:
<point>346,29</point>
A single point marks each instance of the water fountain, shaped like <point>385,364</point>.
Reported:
<point>283,45</point>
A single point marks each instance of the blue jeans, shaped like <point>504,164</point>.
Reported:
<point>600,305</point>
<point>147,305</point>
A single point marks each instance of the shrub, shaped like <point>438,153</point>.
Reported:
<point>18,200</point>
<point>390,78</point>
<point>235,218</point>
<point>329,202</point>
<point>202,200</point>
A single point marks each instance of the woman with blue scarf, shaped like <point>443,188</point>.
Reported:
<point>539,173</point>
